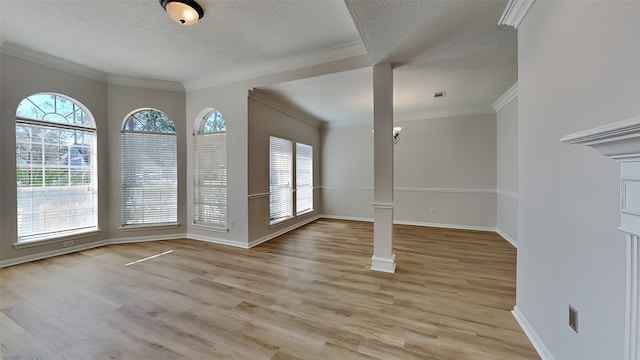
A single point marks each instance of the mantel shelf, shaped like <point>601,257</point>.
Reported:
<point>619,140</point>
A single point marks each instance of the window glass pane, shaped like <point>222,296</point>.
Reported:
<point>53,108</point>
<point>149,120</point>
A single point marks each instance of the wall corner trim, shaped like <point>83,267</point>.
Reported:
<point>506,98</point>
<point>537,343</point>
<point>262,98</point>
<point>509,239</point>
<point>387,265</point>
<point>515,12</point>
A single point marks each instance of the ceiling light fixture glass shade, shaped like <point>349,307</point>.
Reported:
<point>396,135</point>
<point>184,12</point>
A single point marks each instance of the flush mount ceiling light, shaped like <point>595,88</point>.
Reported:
<point>184,12</point>
<point>396,135</point>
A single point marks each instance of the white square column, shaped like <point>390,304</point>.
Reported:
<point>621,141</point>
<point>383,258</point>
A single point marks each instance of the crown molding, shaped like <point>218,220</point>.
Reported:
<point>440,115</point>
<point>506,98</point>
<point>41,58</point>
<point>515,12</point>
<point>264,99</point>
<point>338,124</point>
<point>340,52</point>
<point>145,83</point>
<point>411,117</point>
<point>54,62</point>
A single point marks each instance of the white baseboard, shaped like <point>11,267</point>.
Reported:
<point>537,343</point>
<point>349,218</point>
<point>507,237</point>
<point>282,231</point>
<point>52,253</point>
<point>218,241</point>
<point>446,226</point>
<point>136,239</point>
<point>414,223</point>
<point>383,264</point>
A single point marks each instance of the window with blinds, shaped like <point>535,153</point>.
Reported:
<point>210,171</point>
<point>304,178</point>
<point>56,172</point>
<point>149,169</point>
<point>280,179</point>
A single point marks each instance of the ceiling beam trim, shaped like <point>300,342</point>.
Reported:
<point>515,12</point>
<point>506,98</point>
<point>340,52</point>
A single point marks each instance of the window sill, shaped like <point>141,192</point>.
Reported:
<point>57,238</point>
<point>149,227</point>
<point>304,212</point>
<point>280,221</point>
<point>211,228</point>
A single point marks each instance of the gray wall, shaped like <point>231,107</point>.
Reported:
<point>507,162</point>
<point>578,69</point>
<point>20,79</point>
<point>264,121</point>
<point>446,164</point>
<point>122,101</point>
<point>108,104</point>
<point>231,101</point>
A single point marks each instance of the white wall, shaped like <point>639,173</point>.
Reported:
<point>447,164</point>
<point>507,163</point>
<point>578,69</point>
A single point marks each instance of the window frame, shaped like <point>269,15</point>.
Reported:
<point>218,134</point>
<point>299,174</point>
<point>129,181</point>
<point>292,205</point>
<point>84,152</point>
<point>285,170</point>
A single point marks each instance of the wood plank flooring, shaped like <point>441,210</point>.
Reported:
<point>308,294</point>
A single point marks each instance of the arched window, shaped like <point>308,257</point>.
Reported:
<point>210,170</point>
<point>149,169</point>
<point>56,172</point>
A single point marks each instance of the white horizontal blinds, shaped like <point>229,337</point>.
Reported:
<point>56,179</point>
<point>304,178</point>
<point>149,170</point>
<point>280,178</point>
<point>210,172</point>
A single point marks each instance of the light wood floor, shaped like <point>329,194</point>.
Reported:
<point>306,295</point>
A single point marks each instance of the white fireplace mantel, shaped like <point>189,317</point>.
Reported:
<point>621,141</point>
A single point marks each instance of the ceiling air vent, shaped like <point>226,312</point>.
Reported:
<point>439,94</point>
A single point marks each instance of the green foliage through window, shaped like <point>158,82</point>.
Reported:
<point>149,120</point>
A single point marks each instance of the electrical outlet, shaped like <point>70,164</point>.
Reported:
<point>67,243</point>
<point>573,318</point>
<point>432,211</point>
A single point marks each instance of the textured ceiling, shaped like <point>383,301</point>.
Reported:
<point>452,46</point>
<point>137,38</point>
